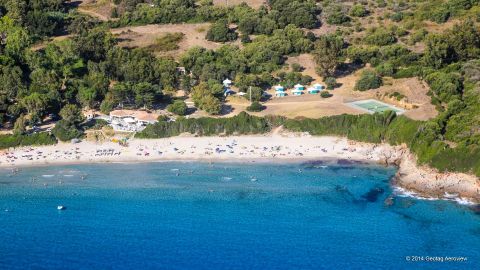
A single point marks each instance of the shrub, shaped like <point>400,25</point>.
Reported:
<point>331,82</point>
<point>254,93</point>
<point>244,38</point>
<point>107,105</point>
<point>398,96</point>
<point>325,94</point>
<point>385,69</point>
<point>20,125</point>
<point>418,36</point>
<point>72,114</point>
<point>368,80</point>
<point>367,128</point>
<point>178,107</point>
<point>7,141</point>
<point>396,17</point>
<point>65,131</point>
<point>255,107</point>
<point>243,123</point>
<point>296,67</point>
<point>439,15</point>
<point>97,124</point>
<point>169,42</point>
<point>220,32</point>
<point>358,10</point>
<point>381,3</point>
<point>335,14</point>
<point>457,5</point>
<point>409,72</point>
<point>210,104</point>
<point>205,95</point>
<point>380,37</point>
<point>362,55</point>
<point>446,86</point>
<point>114,13</point>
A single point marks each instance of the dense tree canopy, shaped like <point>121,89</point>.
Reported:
<point>327,52</point>
<point>220,32</point>
<point>44,78</point>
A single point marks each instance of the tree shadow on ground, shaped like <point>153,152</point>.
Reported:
<point>345,69</point>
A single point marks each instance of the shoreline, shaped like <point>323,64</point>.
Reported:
<point>422,181</point>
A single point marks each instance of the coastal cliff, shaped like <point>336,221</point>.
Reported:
<point>430,183</point>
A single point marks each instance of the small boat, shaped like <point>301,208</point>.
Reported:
<point>61,207</point>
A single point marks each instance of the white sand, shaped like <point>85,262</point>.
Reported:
<point>422,180</point>
<point>194,148</point>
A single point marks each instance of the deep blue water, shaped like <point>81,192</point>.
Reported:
<point>203,216</point>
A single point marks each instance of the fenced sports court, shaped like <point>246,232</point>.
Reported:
<point>373,106</point>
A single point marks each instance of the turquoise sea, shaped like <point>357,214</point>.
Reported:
<point>186,215</point>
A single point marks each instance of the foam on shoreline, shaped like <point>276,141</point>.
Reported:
<point>402,192</point>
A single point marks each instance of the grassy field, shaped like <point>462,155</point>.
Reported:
<point>147,35</point>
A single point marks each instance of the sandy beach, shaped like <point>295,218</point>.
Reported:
<point>412,179</point>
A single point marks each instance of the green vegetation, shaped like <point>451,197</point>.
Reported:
<point>255,107</point>
<point>331,83</point>
<point>41,78</point>
<point>38,18</point>
<point>262,55</point>
<point>206,96</point>
<point>326,94</point>
<point>386,127</point>
<point>8,141</point>
<point>288,80</point>
<point>296,67</point>
<point>368,128</point>
<point>358,10</point>
<point>70,126</point>
<point>368,80</point>
<point>220,32</point>
<point>243,123</point>
<point>398,96</point>
<point>169,42</point>
<point>327,51</point>
<point>178,107</point>
<point>279,14</point>
<point>336,14</point>
<point>380,37</point>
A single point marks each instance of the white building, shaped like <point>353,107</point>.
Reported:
<point>130,120</point>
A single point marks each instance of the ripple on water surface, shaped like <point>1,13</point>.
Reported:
<point>186,215</point>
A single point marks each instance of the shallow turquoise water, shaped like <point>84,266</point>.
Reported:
<point>202,216</point>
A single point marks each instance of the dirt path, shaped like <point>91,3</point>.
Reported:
<point>98,9</point>
<point>93,14</point>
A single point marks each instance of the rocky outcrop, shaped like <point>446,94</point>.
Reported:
<point>429,182</point>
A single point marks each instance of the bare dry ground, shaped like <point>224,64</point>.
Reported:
<point>145,36</point>
<point>42,44</point>
<point>416,101</point>
<point>252,3</point>
<point>307,62</point>
<point>100,9</point>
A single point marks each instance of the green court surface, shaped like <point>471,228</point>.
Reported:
<point>375,106</point>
